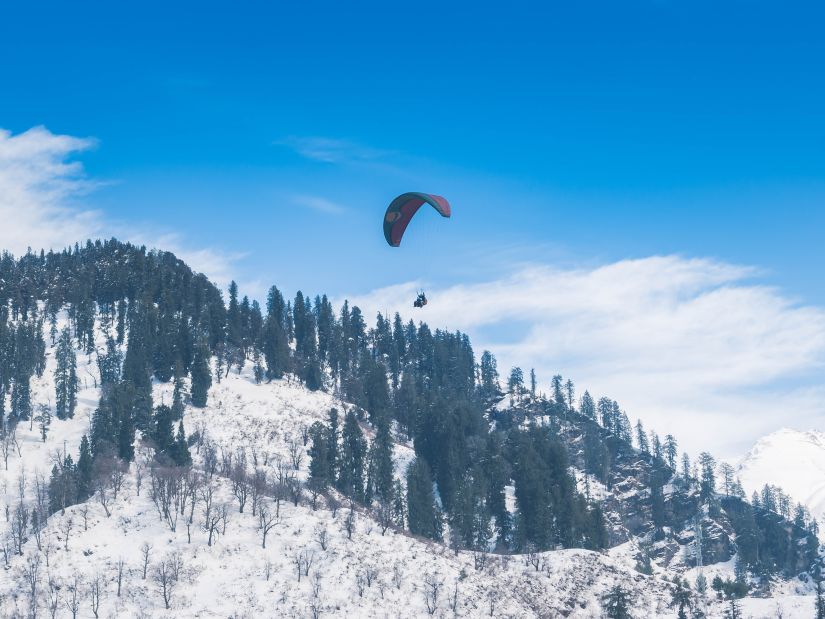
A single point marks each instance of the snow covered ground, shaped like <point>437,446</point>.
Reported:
<point>312,565</point>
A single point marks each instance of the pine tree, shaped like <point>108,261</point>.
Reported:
<point>179,451</point>
<point>671,451</point>
<point>381,461</point>
<point>733,611</point>
<point>84,471</point>
<point>177,393</point>
<point>422,515</point>
<point>44,420</point>
<point>333,436</point>
<point>353,455</point>
<point>201,375</point>
<point>588,406</point>
<point>641,438</point>
<point>65,377</point>
<point>319,467</point>
<point>820,600</point>
<point>136,368</point>
<point>162,433</point>
<point>707,482</point>
<point>616,603</point>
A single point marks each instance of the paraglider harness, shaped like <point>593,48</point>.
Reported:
<point>421,300</point>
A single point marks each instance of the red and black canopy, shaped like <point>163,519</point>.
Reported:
<point>401,211</point>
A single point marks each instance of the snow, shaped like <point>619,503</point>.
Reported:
<point>792,460</point>
<point>229,578</point>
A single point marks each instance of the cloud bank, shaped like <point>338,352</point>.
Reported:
<point>42,189</point>
<point>693,347</point>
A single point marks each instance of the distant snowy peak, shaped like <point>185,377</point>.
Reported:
<point>792,460</point>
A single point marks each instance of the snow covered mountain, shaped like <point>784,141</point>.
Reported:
<point>312,564</point>
<point>792,460</point>
<point>225,519</point>
<point>109,560</point>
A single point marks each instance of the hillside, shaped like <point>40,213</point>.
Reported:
<point>152,436</point>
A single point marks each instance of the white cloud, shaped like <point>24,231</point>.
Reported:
<point>38,184</point>
<point>322,205</point>
<point>41,193</point>
<point>331,150</point>
<point>693,347</point>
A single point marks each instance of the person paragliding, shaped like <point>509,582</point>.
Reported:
<point>400,213</point>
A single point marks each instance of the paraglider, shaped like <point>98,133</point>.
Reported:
<point>401,211</point>
<point>399,214</point>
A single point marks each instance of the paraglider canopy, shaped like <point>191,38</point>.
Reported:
<point>401,211</point>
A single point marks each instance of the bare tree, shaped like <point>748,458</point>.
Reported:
<point>117,476</point>
<point>384,515</point>
<point>370,574</point>
<point>397,575</point>
<point>322,537</point>
<point>66,530</point>
<point>165,578</point>
<point>84,512</point>
<point>349,522</point>
<point>303,562</point>
<point>210,459</point>
<point>145,552</point>
<point>73,594</point>
<point>432,591</point>
<point>296,453</point>
<point>224,512</point>
<point>31,575</point>
<point>360,583</point>
<point>140,469</point>
<point>267,520</point>
<point>492,600</point>
<point>452,598</point>
<point>96,591</point>
<point>257,488</point>
<point>216,521</point>
<point>240,483</point>
<point>53,599</point>
<point>120,565</point>
<point>19,526</point>
<point>268,569</point>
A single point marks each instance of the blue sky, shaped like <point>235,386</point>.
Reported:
<point>569,135</point>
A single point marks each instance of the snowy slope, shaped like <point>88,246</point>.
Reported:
<point>367,575</point>
<point>793,460</point>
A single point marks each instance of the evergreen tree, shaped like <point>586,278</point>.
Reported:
<point>422,515</point>
<point>84,471</point>
<point>616,604</point>
<point>733,611</point>
<point>333,436</point>
<point>381,463</point>
<point>319,467</point>
<point>588,406</point>
<point>162,433</point>
<point>707,482</point>
<point>671,451</point>
<point>353,455</point>
<point>488,371</point>
<point>136,368</point>
<point>179,450</point>
<point>108,364</point>
<point>201,375</point>
<point>65,377</point>
<point>177,393</point>
<point>641,438</point>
